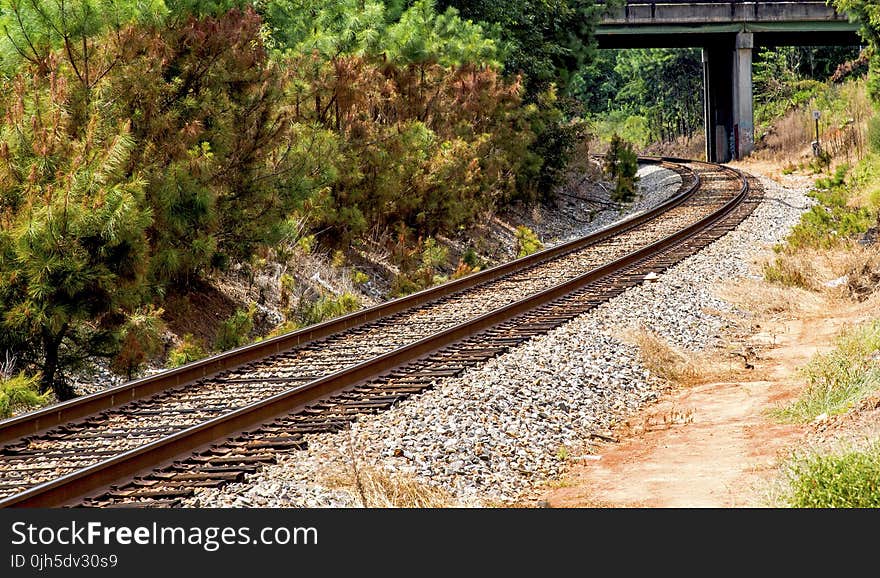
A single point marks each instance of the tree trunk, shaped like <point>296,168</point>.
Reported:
<point>51,345</point>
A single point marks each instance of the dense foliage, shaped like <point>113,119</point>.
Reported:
<point>644,95</point>
<point>867,13</point>
<point>147,145</point>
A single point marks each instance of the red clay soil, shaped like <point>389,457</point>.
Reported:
<point>706,446</point>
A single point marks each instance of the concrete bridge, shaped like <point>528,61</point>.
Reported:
<point>728,33</point>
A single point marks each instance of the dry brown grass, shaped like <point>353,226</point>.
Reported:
<point>679,367</point>
<point>376,487</point>
<point>842,134</point>
<point>765,300</point>
<point>662,359</point>
<point>796,269</point>
<point>848,271</point>
<point>862,270</point>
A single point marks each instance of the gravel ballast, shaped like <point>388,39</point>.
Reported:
<point>498,432</point>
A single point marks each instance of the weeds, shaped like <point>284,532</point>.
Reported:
<point>18,392</point>
<point>527,242</point>
<point>235,331</point>
<point>189,350</point>
<point>663,360</point>
<point>839,379</point>
<point>846,478</point>
<point>377,488</point>
<point>324,308</point>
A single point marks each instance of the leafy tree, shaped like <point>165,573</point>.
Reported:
<point>416,34</point>
<point>867,13</point>
<point>422,35</point>
<point>328,28</point>
<point>38,32</point>
<point>653,88</point>
<point>210,111</point>
<point>421,145</point>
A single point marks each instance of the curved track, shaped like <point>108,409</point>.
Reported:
<point>151,441</point>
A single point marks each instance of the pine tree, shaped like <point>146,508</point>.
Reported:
<point>621,164</point>
<point>72,247</point>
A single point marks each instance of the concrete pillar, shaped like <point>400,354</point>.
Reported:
<point>718,89</point>
<point>743,110</point>
<point>707,109</point>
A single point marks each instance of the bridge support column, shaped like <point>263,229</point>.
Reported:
<point>743,110</point>
<point>708,111</point>
<point>727,94</point>
<point>718,104</point>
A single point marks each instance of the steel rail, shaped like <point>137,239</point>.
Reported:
<point>57,414</point>
<point>73,486</point>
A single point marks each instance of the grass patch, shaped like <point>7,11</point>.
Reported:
<point>839,379</point>
<point>845,478</point>
<point>377,488</point>
<point>19,393</point>
<point>764,300</point>
<point>791,269</point>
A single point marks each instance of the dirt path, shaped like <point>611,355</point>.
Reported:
<point>710,445</point>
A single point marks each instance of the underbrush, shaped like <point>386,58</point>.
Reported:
<point>839,379</point>
<point>19,393</point>
<point>785,128</point>
<point>848,477</point>
<point>824,245</point>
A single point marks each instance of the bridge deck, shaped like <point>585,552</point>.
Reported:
<point>642,23</point>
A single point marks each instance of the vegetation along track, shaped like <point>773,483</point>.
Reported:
<point>150,442</point>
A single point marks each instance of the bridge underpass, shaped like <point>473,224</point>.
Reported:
<point>728,33</point>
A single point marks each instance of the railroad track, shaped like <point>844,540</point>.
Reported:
<point>151,442</point>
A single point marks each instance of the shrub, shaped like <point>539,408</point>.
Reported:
<point>325,308</point>
<point>527,242</point>
<point>847,478</point>
<point>422,272</point>
<point>235,331</point>
<point>19,393</point>
<point>141,339</point>
<point>834,218</point>
<point>622,165</point>
<point>189,350</point>
<point>471,259</point>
